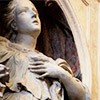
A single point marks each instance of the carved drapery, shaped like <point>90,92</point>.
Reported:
<point>85,47</point>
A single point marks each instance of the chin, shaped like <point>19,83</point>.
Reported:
<point>36,32</point>
<point>37,29</point>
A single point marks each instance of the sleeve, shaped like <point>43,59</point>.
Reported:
<point>15,60</point>
<point>5,52</point>
<point>87,93</point>
<point>62,63</point>
<point>18,65</point>
<point>86,90</point>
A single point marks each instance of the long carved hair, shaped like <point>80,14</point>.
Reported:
<point>8,18</point>
<point>56,39</point>
<point>8,15</point>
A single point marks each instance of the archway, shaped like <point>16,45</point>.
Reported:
<point>79,38</point>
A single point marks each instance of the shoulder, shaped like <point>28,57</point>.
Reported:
<point>9,50</point>
<point>6,45</point>
<point>3,42</point>
<point>3,39</point>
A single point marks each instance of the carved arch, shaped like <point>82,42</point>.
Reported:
<point>80,41</point>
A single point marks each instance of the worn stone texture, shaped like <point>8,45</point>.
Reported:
<point>88,17</point>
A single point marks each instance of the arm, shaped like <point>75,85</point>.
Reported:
<point>73,86</point>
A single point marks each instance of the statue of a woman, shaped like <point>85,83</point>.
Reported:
<point>32,75</point>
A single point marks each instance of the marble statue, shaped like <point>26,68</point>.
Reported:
<point>32,75</point>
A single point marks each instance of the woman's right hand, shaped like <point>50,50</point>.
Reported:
<point>3,71</point>
<point>4,76</point>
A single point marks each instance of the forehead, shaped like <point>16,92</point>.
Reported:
<point>26,3</point>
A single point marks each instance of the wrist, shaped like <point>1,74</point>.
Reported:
<point>64,75</point>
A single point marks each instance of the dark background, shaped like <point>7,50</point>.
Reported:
<point>56,39</point>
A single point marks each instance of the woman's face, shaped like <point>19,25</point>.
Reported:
<point>27,19</point>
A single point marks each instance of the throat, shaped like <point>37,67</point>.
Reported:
<point>26,41</point>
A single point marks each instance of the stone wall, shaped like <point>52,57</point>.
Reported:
<point>88,16</point>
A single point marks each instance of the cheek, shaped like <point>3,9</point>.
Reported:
<point>22,22</point>
<point>25,25</point>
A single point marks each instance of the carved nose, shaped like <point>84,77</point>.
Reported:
<point>34,15</point>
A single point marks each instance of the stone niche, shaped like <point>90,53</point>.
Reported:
<point>70,30</point>
<point>56,39</point>
<point>76,24</point>
<point>83,17</point>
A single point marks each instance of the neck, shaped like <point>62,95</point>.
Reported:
<point>26,41</point>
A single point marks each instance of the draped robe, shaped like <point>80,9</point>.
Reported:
<point>23,84</point>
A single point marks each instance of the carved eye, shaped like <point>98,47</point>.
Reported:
<point>23,10</point>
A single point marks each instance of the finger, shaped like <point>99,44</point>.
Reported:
<point>37,67</point>
<point>1,69</point>
<point>37,63</point>
<point>2,65</point>
<point>7,68</point>
<point>61,61</point>
<point>1,94</point>
<point>2,85</point>
<point>43,75</point>
<point>4,69</point>
<point>38,71</point>
<point>43,59</point>
<point>2,75</point>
